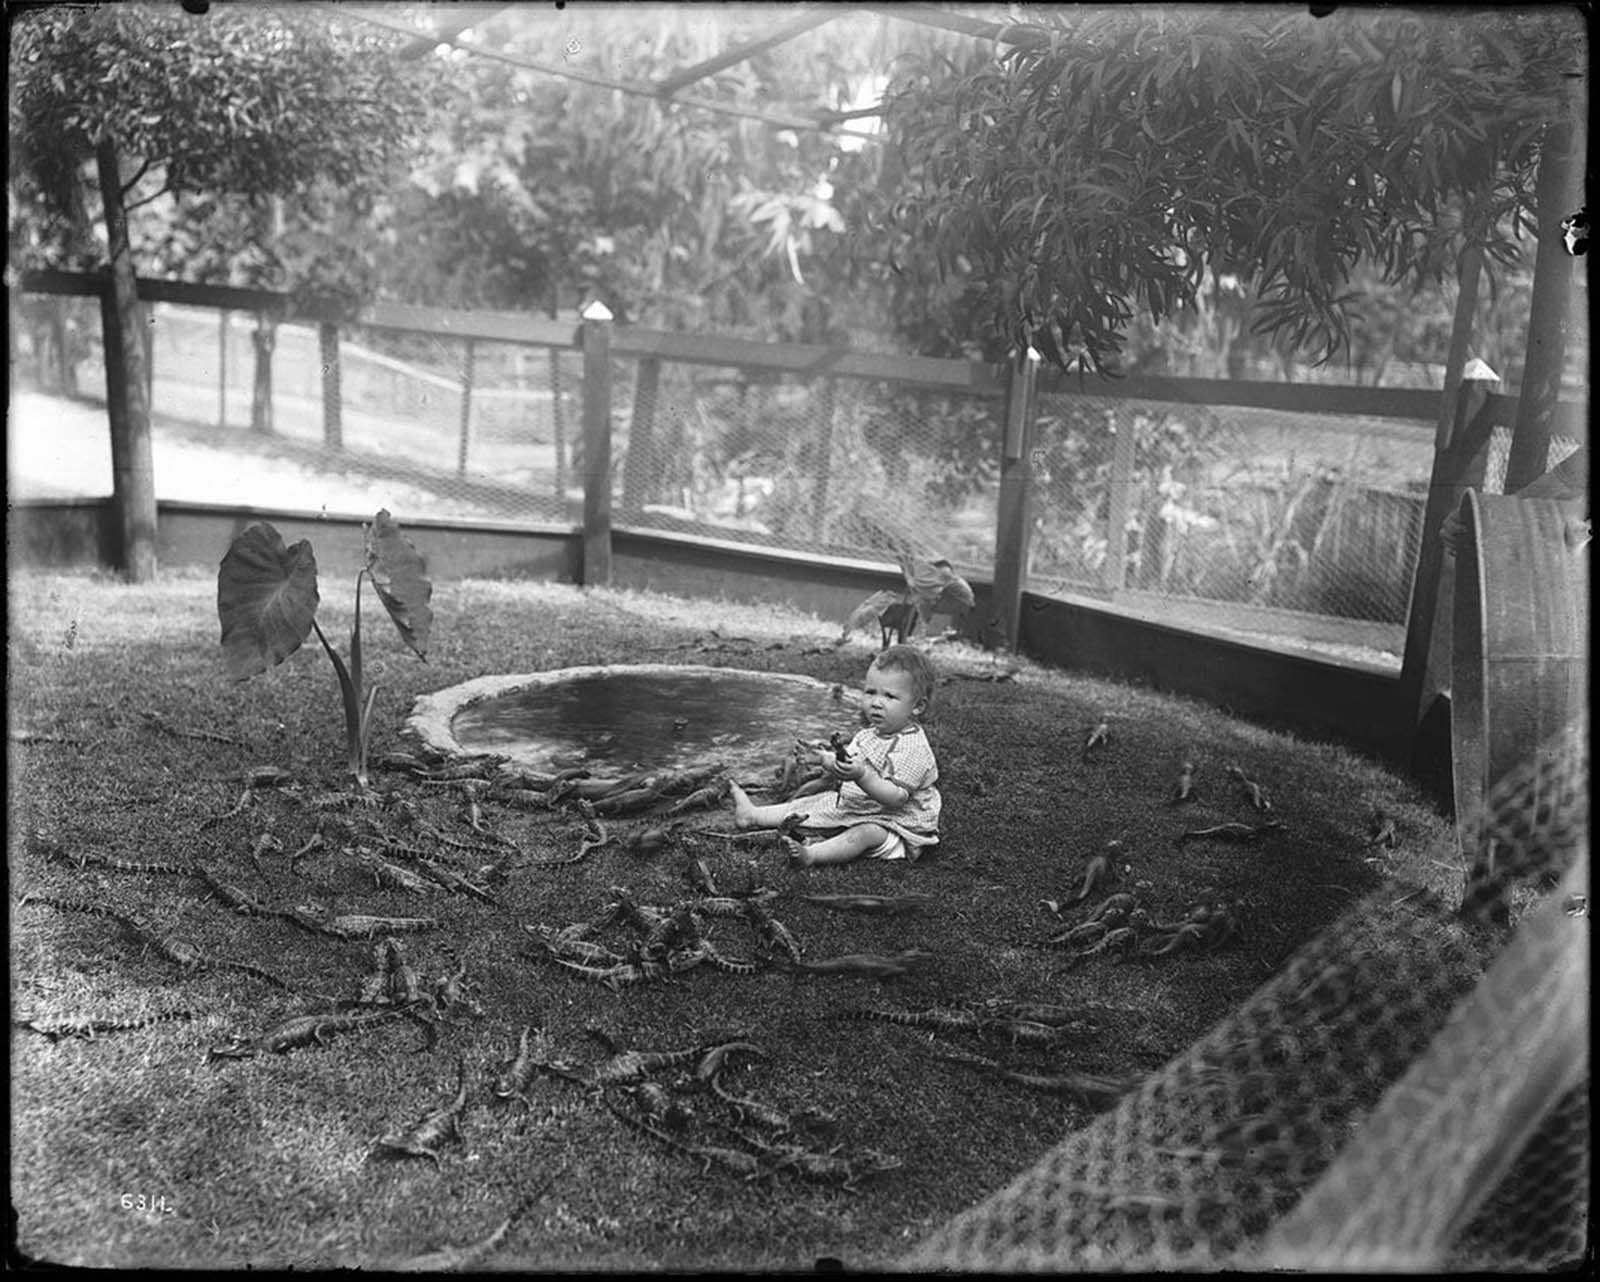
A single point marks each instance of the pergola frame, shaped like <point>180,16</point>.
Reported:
<point>668,88</point>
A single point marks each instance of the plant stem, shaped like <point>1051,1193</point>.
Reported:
<point>352,708</point>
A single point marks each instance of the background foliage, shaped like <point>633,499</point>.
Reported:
<point>212,119</point>
<point>1103,166</point>
<point>1117,183</point>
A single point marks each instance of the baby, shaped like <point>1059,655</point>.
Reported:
<point>887,797</point>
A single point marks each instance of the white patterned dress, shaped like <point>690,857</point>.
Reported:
<point>904,758</point>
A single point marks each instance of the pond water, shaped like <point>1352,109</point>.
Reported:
<point>621,718</point>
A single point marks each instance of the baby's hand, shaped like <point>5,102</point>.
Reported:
<point>851,768</point>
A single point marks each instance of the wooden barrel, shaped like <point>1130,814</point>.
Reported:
<point>1520,639</point>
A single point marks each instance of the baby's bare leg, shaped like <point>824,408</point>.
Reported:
<point>746,814</point>
<point>850,844</point>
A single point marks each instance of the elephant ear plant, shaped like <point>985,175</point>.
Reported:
<point>267,602</point>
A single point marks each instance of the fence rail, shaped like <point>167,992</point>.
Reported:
<point>1273,498</point>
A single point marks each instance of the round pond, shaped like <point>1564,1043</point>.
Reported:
<point>620,718</point>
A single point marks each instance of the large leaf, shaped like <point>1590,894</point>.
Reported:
<point>266,600</point>
<point>870,611</point>
<point>398,573</point>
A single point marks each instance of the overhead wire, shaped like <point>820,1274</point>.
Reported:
<point>607,82</point>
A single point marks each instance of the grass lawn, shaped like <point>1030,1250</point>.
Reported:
<point>269,1162</point>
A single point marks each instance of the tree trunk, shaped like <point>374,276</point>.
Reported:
<point>1558,193</point>
<point>66,368</point>
<point>133,488</point>
<point>269,228</point>
<point>264,336</point>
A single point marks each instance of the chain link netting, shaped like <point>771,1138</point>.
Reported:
<point>1408,1093</point>
<point>1258,516</point>
<point>1295,527</point>
<point>472,430</point>
<point>839,466</point>
<point>56,345</point>
<point>1494,472</point>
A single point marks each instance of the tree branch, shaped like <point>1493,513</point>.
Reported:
<point>134,181</point>
<point>164,189</point>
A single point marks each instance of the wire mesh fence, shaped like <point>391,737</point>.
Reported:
<point>1494,476</point>
<point>1297,525</point>
<point>843,467</point>
<point>470,430</point>
<point>55,344</point>
<point>1296,512</point>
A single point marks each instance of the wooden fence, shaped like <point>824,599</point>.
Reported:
<point>1016,391</point>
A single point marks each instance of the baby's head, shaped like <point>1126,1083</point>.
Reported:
<point>914,665</point>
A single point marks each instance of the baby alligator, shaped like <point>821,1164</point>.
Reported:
<point>615,977</point>
<point>40,842</point>
<point>171,947</point>
<point>701,798</point>
<point>741,1163</point>
<point>240,902</point>
<point>627,1066</point>
<point>752,1110</point>
<point>1012,1028</point>
<point>364,926</point>
<point>870,964</point>
<point>1235,832</point>
<point>513,1082</point>
<point>1090,1089</point>
<point>777,937</point>
<point>434,1128</point>
<point>933,1017</point>
<point>456,1259</point>
<point>820,1168</point>
<point>89,1029</point>
<point>312,1030</point>
<point>584,951</point>
<point>733,904</point>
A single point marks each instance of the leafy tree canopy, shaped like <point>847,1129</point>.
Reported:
<point>242,102</point>
<point>1105,162</point>
<point>535,185</point>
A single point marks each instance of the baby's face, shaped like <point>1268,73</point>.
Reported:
<point>889,704</point>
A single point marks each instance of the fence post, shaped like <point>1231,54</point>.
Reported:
<point>641,431</point>
<point>1457,467</point>
<point>467,370</point>
<point>1013,516</point>
<point>332,391</point>
<point>1114,573</point>
<point>596,444</point>
<point>222,368</point>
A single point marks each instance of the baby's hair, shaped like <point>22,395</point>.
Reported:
<point>910,660</point>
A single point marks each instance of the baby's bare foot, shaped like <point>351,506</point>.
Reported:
<point>744,812</point>
<point>799,855</point>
